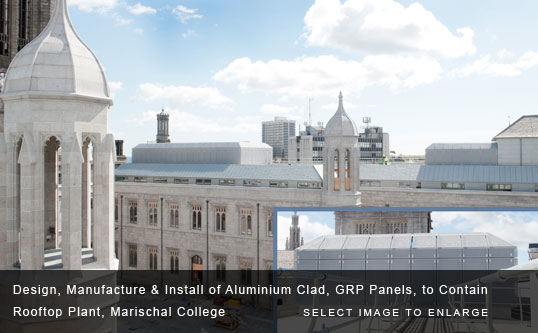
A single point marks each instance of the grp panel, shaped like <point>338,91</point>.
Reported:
<point>499,248</point>
<point>353,265</point>
<point>401,246</point>
<point>423,264</point>
<point>475,264</point>
<point>449,246</point>
<point>331,247</point>
<point>424,246</point>
<point>500,263</point>
<point>330,265</point>
<point>307,265</point>
<point>379,264</point>
<point>400,264</point>
<point>474,245</point>
<point>355,247</point>
<point>449,264</point>
<point>379,247</point>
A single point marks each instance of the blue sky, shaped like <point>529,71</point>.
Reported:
<point>517,228</point>
<point>427,71</point>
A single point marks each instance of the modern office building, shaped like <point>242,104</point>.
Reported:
<point>374,143</point>
<point>276,133</point>
<point>307,147</point>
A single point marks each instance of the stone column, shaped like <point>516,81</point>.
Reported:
<point>355,168</point>
<point>32,250</point>
<point>6,247</point>
<point>330,168</point>
<point>72,205</point>
<point>103,196</point>
<point>86,198</point>
<point>342,167</point>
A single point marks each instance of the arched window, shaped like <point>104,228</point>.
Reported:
<point>197,217</point>
<point>336,167</point>
<point>249,225</point>
<point>347,171</point>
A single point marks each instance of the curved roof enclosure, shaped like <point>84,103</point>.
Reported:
<point>57,62</point>
<point>341,124</point>
<point>204,153</point>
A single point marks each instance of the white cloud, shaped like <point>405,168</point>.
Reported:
<point>182,96</point>
<point>123,21</point>
<point>383,27</point>
<point>327,75</point>
<point>139,31</point>
<point>115,86</point>
<point>185,14</point>
<point>519,229</point>
<point>310,230</point>
<point>276,110</point>
<point>194,127</point>
<point>334,106</point>
<point>139,9</point>
<point>188,33</point>
<point>488,67</point>
<point>100,6</point>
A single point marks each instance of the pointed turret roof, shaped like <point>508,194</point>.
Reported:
<point>341,124</point>
<point>57,62</point>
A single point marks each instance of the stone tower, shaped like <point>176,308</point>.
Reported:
<point>295,240</point>
<point>56,104</point>
<point>341,156</point>
<point>162,127</point>
<point>20,22</point>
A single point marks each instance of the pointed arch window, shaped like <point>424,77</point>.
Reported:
<point>347,171</point>
<point>336,167</point>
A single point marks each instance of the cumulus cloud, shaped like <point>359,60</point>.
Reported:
<point>334,106</point>
<point>486,66</point>
<point>139,9</point>
<point>100,6</point>
<point>310,230</point>
<point>182,96</point>
<point>517,228</point>
<point>276,110</point>
<point>326,75</point>
<point>383,27</point>
<point>188,33</point>
<point>197,128</point>
<point>185,14</point>
<point>115,86</point>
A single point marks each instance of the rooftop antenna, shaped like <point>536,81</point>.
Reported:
<point>366,120</point>
<point>309,111</point>
<point>508,120</point>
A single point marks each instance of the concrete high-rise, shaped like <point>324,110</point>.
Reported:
<point>276,134</point>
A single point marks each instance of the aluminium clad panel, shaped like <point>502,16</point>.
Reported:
<point>449,246</point>
<point>401,246</point>
<point>378,247</point>
<point>355,247</point>
<point>499,248</point>
<point>475,245</point>
<point>331,247</point>
<point>424,246</point>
